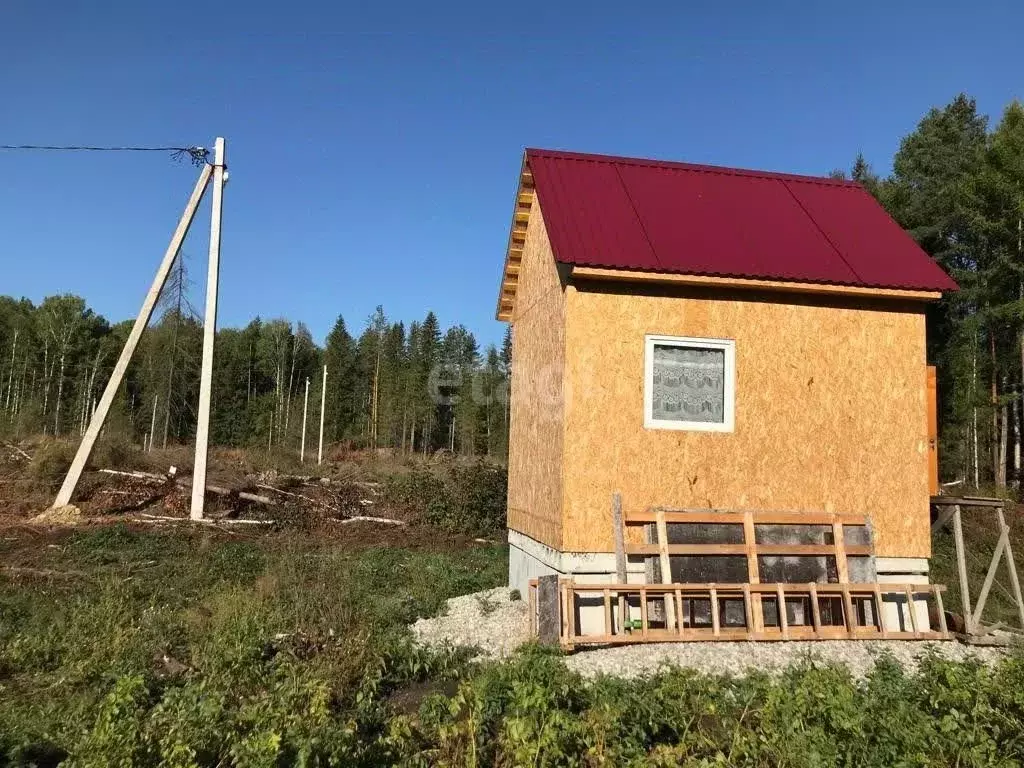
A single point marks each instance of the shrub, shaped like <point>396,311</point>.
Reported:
<point>468,499</point>
<point>51,462</point>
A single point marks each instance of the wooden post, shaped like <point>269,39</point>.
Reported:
<point>961,567</point>
<point>209,336</point>
<point>323,401</point>
<point>666,566</point>
<point>305,409</point>
<point>910,610</point>
<point>67,488</point>
<point>941,609</point>
<point>618,528</point>
<point>1012,568</point>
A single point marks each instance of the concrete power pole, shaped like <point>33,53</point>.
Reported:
<point>209,335</point>
<point>99,415</point>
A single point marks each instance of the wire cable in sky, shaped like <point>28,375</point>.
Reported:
<point>198,155</point>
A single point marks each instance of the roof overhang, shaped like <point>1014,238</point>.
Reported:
<point>714,281</point>
<point>525,195</point>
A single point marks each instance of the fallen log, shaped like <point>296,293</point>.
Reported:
<point>186,483</point>
<point>368,519</point>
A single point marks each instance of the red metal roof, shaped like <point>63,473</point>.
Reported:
<point>623,213</point>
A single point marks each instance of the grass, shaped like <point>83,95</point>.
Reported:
<point>123,646</point>
<point>143,616</point>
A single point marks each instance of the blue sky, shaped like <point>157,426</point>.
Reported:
<point>374,150</point>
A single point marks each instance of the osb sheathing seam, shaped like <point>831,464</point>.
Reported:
<point>536,409</point>
<point>830,412</point>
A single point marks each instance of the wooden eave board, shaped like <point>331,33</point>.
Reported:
<point>525,196</point>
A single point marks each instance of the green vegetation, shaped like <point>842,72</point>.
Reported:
<point>121,647</point>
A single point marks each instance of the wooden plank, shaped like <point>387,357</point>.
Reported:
<point>1012,568</point>
<point>608,612</point>
<point>666,567</point>
<point>910,610</point>
<point>620,553</point>
<point>716,628</point>
<point>933,432</point>
<point>851,618</point>
<point>841,551</point>
<point>961,568</point>
<point>549,610</point>
<point>783,619</point>
<point>748,611</point>
<point>815,608</point>
<point>937,594</point>
<point>713,550</point>
<point>756,618</point>
<point>735,517</point>
<point>879,608</point>
<point>967,501</point>
<point>681,620</point>
<point>531,590</point>
<point>737,589</point>
<point>990,576</point>
<point>644,627</point>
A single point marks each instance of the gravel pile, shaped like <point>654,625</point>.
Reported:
<point>497,625</point>
<point>736,658</point>
<point>489,620</point>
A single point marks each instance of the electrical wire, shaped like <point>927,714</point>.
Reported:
<point>197,155</point>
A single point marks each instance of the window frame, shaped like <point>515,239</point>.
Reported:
<point>728,346</point>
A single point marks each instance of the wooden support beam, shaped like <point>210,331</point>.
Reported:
<point>941,610</point>
<point>716,627</point>
<point>848,612</point>
<point>711,550</point>
<point>756,617</point>
<point>990,575</point>
<point>961,568</point>
<point>911,612</point>
<point>666,568</point>
<point>783,619</point>
<point>1012,568</point>
<point>841,550</point>
<point>619,534</point>
<point>815,608</point>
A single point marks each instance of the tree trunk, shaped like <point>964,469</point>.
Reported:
<point>996,473</point>
<point>10,376</point>
<point>974,415</point>
<point>60,394</point>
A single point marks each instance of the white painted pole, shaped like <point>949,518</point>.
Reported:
<point>323,401</point>
<point>67,488</point>
<point>209,336</point>
<point>305,410</point>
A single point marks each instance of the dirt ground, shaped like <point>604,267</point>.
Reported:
<point>245,498</point>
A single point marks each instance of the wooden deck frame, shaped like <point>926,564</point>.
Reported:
<point>851,629</point>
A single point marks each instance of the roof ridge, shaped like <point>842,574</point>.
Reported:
<point>692,167</point>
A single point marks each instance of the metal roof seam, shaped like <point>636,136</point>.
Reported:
<point>639,221</point>
<point>824,234</point>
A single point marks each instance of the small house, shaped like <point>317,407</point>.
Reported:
<point>710,338</point>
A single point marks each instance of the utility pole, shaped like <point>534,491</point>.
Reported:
<point>323,401</point>
<point>305,409</point>
<point>67,488</point>
<point>209,335</point>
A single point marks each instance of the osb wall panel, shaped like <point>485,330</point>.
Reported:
<point>536,412</point>
<point>830,411</point>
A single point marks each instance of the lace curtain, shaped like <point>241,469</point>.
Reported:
<point>689,384</point>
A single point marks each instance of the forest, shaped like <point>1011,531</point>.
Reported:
<point>956,185</point>
<point>415,389</point>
